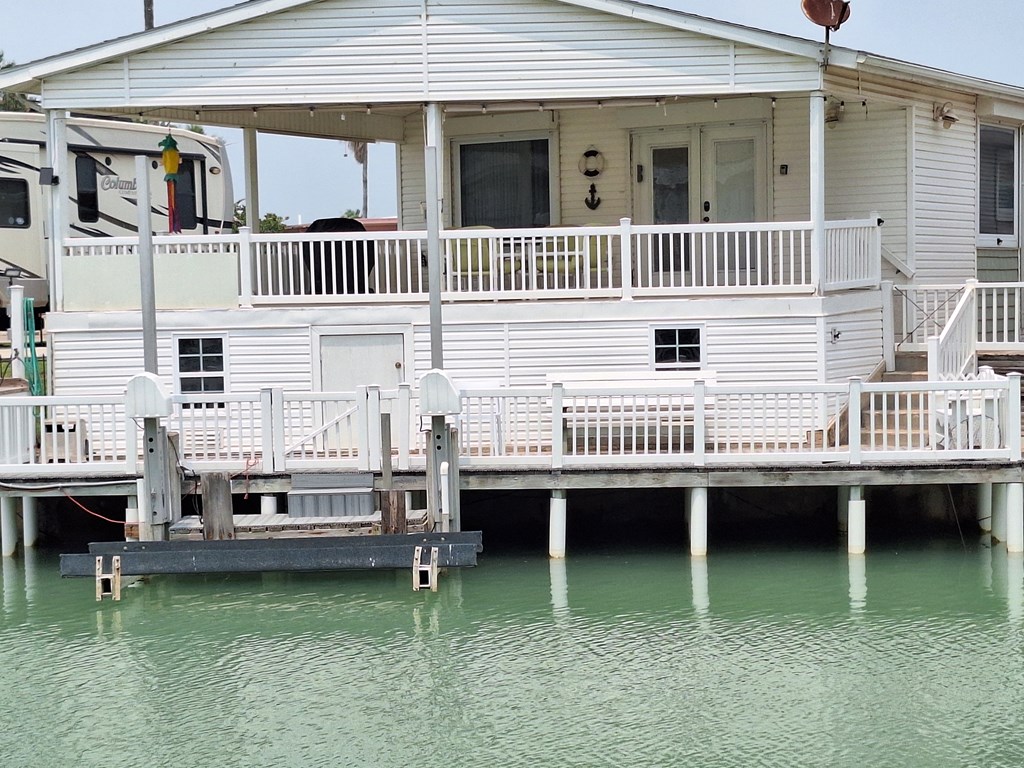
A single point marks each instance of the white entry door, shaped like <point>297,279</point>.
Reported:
<point>712,174</point>
<point>348,361</point>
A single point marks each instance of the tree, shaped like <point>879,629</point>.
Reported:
<point>358,150</point>
<point>12,102</point>
<point>269,222</point>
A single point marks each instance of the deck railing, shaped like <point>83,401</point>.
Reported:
<point>620,261</point>
<point>553,427</point>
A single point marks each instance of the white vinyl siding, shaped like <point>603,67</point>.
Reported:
<point>945,190</point>
<point>866,169</point>
<point>857,350</point>
<point>340,51</point>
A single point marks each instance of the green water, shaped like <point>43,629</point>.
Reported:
<point>909,658</point>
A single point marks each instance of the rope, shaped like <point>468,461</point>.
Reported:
<point>84,508</point>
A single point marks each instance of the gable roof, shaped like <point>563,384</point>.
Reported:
<point>28,76</point>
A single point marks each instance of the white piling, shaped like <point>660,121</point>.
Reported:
<point>1015,518</point>
<point>131,518</point>
<point>844,509</point>
<point>857,535</point>
<point>268,504</point>
<point>29,521</point>
<point>698,522</point>
<point>985,507</point>
<point>556,531</point>
<point>999,512</point>
<point>8,527</point>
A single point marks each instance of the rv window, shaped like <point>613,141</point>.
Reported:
<point>14,203</point>
<point>676,348</point>
<point>185,194</point>
<point>88,200</point>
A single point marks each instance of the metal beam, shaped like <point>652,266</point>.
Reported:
<point>326,553</point>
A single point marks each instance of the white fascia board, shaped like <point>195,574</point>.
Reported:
<point>918,73</point>
<point>704,26</point>
<point>27,77</point>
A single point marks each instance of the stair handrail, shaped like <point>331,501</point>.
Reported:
<point>954,353</point>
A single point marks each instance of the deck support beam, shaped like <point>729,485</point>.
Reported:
<point>857,536</point>
<point>29,522</point>
<point>698,521</point>
<point>999,512</point>
<point>1015,518</point>
<point>985,507</point>
<point>556,527</point>
<point>8,527</point>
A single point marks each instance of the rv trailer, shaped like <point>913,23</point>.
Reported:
<point>103,188</point>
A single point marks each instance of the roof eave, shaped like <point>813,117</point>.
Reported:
<point>28,78</point>
<point>923,75</point>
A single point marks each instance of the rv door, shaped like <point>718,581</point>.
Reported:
<point>21,210</point>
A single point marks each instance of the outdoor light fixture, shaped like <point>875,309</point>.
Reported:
<point>944,113</point>
<point>12,272</point>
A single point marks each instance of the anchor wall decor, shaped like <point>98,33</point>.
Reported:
<point>593,201</point>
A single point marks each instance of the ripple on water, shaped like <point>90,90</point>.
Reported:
<point>608,662</point>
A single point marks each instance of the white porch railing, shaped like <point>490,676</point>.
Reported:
<point>620,261</point>
<point>550,427</point>
<point>954,353</point>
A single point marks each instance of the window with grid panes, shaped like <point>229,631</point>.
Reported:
<point>677,348</point>
<point>201,365</point>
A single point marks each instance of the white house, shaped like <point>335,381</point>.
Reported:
<point>598,187</point>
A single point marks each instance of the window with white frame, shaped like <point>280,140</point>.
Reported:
<point>677,348</point>
<point>201,365</point>
<point>504,184</point>
<point>997,186</point>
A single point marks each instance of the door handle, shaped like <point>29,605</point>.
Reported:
<point>707,219</point>
<point>707,206</point>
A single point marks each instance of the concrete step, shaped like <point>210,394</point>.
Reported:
<point>911,361</point>
<point>899,377</point>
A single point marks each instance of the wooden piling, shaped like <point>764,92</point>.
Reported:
<point>218,523</point>
<point>392,502</point>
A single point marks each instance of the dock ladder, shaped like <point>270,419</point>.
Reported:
<point>424,574</point>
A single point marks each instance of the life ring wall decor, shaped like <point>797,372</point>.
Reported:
<point>591,163</point>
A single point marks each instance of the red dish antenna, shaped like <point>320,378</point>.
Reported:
<point>829,14</point>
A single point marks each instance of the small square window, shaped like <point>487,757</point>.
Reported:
<point>201,365</point>
<point>677,348</point>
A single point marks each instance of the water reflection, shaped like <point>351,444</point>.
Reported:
<point>699,585</point>
<point>506,664</point>
<point>1015,587</point>
<point>858,574</point>
<point>559,587</point>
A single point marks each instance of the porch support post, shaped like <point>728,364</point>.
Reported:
<point>985,507</point>
<point>817,207</point>
<point>698,522</point>
<point>435,175</point>
<point>252,178</point>
<point>57,157</point>
<point>29,521</point>
<point>556,528</point>
<point>857,537</point>
<point>1015,518</point>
